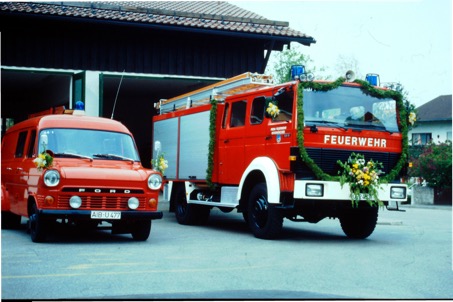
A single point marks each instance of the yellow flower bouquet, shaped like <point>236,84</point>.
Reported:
<point>363,179</point>
<point>272,110</point>
<point>43,161</point>
<point>160,163</point>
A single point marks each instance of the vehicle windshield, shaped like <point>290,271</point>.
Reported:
<point>86,143</point>
<point>349,107</point>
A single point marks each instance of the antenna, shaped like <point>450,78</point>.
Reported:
<point>117,91</point>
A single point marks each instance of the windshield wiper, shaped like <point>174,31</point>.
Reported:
<point>113,156</point>
<point>68,154</point>
<point>335,124</point>
<point>369,126</point>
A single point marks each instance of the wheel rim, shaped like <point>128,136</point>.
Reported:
<point>260,211</point>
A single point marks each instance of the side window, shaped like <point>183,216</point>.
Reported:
<point>31,145</point>
<point>257,114</point>
<point>20,144</point>
<point>238,114</point>
<point>225,114</point>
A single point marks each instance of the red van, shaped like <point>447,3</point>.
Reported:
<point>82,170</point>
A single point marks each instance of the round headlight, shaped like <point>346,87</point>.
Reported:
<point>155,181</point>
<point>133,203</point>
<point>51,178</point>
<point>75,202</point>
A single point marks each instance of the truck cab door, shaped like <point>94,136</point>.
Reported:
<point>231,142</point>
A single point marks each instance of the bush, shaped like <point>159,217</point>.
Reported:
<point>434,165</point>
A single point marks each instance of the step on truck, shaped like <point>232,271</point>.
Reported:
<point>61,168</point>
<point>276,151</point>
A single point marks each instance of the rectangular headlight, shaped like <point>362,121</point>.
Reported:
<point>398,192</point>
<point>314,190</point>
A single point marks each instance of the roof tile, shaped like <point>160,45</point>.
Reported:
<point>217,15</point>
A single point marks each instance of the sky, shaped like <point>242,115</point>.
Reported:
<point>404,41</point>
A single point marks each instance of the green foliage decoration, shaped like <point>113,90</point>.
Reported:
<point>212,143</point>
<point>368,90</point>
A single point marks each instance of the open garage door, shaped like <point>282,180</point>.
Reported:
<point>26,91</point>
<point>130,99</point>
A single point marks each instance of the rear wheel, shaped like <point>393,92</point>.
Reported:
<point>360,222</point>
<point>264,219</point>
<point>141,230</point>
<point>37,225</point>
<point>189,214</point>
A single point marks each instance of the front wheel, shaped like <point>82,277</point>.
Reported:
<point>360,222</point>
<point>141,230</point>
<point>37,225</point>
<point>265,221</point>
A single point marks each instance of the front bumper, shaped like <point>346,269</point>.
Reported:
<point>86,214</point>
<point>332,190</point>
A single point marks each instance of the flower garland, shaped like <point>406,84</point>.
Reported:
<point>44,160</point>
<point>367,89</point>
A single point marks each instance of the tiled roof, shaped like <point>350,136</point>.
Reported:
<point>209,15</point>
<point>438,109</point>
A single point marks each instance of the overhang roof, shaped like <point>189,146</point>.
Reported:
<point>217,17</point>
<point>438,109</point>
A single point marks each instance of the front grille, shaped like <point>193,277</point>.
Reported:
<point>327,159</point>
<point>100,202</point>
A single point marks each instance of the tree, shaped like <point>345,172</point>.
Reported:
<point>434,164</point>
<point>282,61</point>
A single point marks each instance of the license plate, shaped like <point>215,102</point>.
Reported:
<point>105,215</point>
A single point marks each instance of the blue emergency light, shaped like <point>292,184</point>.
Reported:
<point>79,105</point>
<point>372,79</point>
<point>298,73</point>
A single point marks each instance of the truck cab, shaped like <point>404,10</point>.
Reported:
<point>75,169</point>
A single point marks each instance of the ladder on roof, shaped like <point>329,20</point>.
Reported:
<point>237,84</point>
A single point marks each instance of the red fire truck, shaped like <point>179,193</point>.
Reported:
<point>272,151</point>
<point>78,170</point>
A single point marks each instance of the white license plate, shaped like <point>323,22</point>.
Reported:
<point>105,215</point>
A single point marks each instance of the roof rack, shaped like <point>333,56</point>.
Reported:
<point>237,84</point>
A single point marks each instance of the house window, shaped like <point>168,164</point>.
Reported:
<point>421,138</point>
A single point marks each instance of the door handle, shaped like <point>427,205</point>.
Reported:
<point>9,168</point>
<point>226,141</point>
<point>268,138</point>
<point>19,169</point>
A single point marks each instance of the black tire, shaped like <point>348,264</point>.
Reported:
<point>141,230</point>
<point>37,225</point>
<point>265,221</point>
<point>360,222</point>
<point>189,214</point>
<point>10,221</point>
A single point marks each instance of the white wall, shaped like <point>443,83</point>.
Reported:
<point>92,93</point>
<point>440,131</point>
